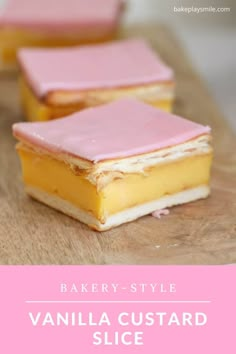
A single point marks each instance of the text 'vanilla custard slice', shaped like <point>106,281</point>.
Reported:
<point>56,83</point>
<point>52,23</point>
<point>112,164</point>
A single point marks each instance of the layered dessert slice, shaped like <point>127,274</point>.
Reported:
<point>112,164</point>
<point>59,82</point>
<point>27,23</point>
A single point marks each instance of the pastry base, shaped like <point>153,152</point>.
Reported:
<point>125,216</point>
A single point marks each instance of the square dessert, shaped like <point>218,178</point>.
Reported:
<point>112,164</point>
<point>58,82</point>
<point>50,23</point>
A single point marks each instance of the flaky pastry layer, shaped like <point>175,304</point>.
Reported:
<point>60,103</point>
<point>103,172</point>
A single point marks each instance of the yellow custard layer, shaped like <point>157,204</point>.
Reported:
<point>58,179</point>
<point>13,39</point>
<point>36,110</point>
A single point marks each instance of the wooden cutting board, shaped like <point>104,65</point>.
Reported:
<point>203,232</point>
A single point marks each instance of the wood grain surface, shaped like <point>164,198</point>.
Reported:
<point>203,232</point>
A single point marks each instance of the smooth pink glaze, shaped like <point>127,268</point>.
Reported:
<point>158,213</point>
<point>119,129</point>
<point>117,64</point>
<point>59,14</point>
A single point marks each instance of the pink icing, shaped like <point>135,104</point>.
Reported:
<point>59,14</point>
<point>117,64</point>
<point>158,213</point>
<point>119,129</point>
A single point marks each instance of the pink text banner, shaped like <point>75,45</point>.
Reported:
<point>118,309</point>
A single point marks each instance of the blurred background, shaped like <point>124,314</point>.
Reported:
<point>210,39</point>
